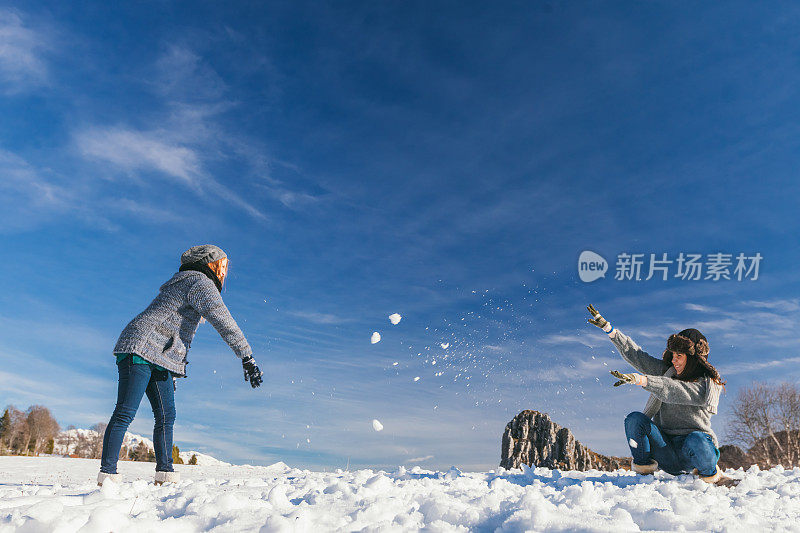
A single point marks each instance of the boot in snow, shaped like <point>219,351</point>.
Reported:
<point>102,477</point>
<point>644,469</point>
<point>718,478</point>
<point>167,477</point>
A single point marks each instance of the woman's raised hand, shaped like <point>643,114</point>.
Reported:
<point>597,319</point>
<point>632,379</point>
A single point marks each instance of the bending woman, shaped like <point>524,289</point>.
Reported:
<point>152,349</point>
<point>674,431</point>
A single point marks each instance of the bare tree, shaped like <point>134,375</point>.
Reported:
<point>41,428</point>
<point>96,446</point>
<point>765,421</point>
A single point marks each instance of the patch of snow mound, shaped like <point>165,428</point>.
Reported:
<point>395,318</point>
<point>376,425</point>
<point>376,337</point>
<point>59,494</point>
<point>202,459</point>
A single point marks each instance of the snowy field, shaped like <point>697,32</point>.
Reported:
<point>59,494</point>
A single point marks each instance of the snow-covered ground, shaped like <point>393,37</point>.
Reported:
<point>59,494</point>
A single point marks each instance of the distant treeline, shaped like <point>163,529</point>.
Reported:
<point>28,432</point>
<point>36,431</point>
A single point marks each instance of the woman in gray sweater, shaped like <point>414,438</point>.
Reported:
<point>674,431</point>
<point>152,349</point>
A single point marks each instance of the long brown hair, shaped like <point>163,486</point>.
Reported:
<point>694,345</point>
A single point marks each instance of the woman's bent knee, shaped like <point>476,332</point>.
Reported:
<point>123,415</point>
<point>636,418</point>
<point>697,441</point>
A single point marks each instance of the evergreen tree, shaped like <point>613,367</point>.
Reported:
<point>140,453</point>
<point>193,460</point>
<point>5,431</point>
<point>176,456</point>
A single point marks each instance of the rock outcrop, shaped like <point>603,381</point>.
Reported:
<point>532,438</point>
<point>731,456</point>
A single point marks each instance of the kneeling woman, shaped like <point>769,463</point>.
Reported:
<point>674,431</point>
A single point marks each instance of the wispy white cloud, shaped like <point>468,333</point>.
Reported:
<point>181,76</point>
<point>701,308</point>
<point>589,367</point>
<point>567,339</point>
<point>22,178</point>
<point>32,195</point>
<point>419,459</point>
<point>136,150</point>
<point>292,199</point>
<point>755,366</point>
<point>189,137</point>
<point>788,305</point>
<point>21,53</point>
<point>319,318</point>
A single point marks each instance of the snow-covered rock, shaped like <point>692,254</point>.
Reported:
<point>60,494</point>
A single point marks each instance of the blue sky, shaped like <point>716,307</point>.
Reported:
<point>448,163</point>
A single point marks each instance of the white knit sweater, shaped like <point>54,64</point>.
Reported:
<point>163,332</point>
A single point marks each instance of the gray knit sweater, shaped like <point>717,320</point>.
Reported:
<point>163,332</point>
<point>686,405</point>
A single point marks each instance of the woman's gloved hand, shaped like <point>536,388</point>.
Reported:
<point>598,320</point>
<point>251,371</point>
<point>632,379</point>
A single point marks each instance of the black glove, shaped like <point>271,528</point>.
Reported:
<point>251,371</point>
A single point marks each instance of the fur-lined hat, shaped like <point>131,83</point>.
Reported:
<point>694,344</point>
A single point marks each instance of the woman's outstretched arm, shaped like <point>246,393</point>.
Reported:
<point>628,349</point>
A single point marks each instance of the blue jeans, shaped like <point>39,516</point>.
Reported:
<point>134,382</point>
<point>674,453</point>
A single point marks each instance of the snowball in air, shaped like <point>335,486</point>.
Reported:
<point>376,425</point>
<point>416,378</point>
<point>633,443</point>
<point>445,345</point>
<point>376,337</point>
<point>395,318</point>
